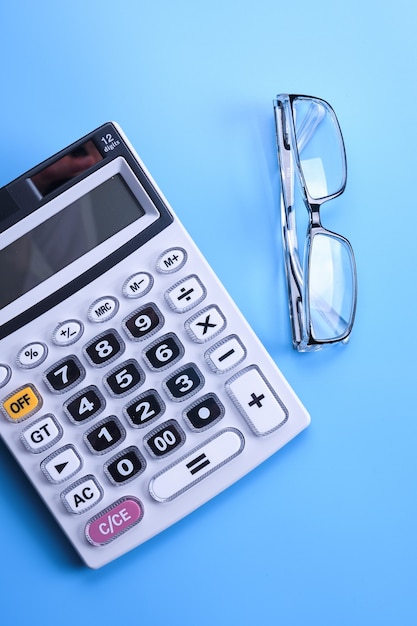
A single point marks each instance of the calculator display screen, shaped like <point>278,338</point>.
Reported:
<point>66,236</point>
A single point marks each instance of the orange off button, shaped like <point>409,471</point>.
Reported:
<point>22,403</point>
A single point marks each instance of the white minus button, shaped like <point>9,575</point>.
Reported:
<point>196,465</point>
<point>226,354</point>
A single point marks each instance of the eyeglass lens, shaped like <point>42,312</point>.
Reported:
<point>320,147</point>
<point>331,285</point>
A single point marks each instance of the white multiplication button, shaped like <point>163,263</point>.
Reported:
<point>205,324</point>
<point>67,332</point>
<point>41,434</point>
<point>256,400</point>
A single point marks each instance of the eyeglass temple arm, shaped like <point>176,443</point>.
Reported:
<point>293,268</point>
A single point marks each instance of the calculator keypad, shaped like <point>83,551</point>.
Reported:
<point>143,402</point>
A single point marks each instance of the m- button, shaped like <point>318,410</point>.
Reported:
<point>22,403</point>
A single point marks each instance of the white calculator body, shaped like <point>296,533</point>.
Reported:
<point>132,390</point>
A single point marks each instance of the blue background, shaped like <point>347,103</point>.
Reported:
<point>324,532</point>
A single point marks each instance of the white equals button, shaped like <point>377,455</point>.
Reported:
<point>197,464</point>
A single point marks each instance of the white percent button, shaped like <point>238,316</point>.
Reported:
<point>32,354</point>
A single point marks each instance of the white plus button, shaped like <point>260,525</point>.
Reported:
<point>256,400</point>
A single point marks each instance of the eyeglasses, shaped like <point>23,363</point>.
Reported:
<point>321,282</point>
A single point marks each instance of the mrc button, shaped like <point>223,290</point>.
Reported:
<point>22,403</point>
<point>103,309</point>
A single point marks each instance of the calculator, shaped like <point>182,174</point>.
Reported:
<point>132,390</point>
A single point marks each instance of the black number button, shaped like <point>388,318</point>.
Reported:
<point>184,382</point>
<point>64,374</point>
<point>104,348</point>
<point>144,322</point>
<point>85,404</point>
<point>204,412</point>
<point>125,466</point>
<point>165,438</point>
<point>145,408</point>
<point>125,378</point>
<point>105,436</point>
<point>164,352</point>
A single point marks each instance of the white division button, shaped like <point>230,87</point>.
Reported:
<point>205,324</point>
<point>103,309</point>
<point>67,332</point>
<point>137,285</point>
<point>186,294</point>
<point>32,354</point>
<point>5,374</point>
<point>226,354</point>
<point>256,400</point>
<point>202,461</point>
<point>82,495</point>
<point>171,260</point>
<point>62,464</point>
<point>41,434</point>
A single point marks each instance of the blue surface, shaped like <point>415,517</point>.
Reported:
<point>323,533</point>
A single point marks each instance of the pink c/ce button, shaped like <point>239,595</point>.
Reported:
<point>113,521</point>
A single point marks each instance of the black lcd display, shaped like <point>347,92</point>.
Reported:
<point>65,237</point>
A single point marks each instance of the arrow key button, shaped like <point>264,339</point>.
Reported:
<point>61,464</point>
